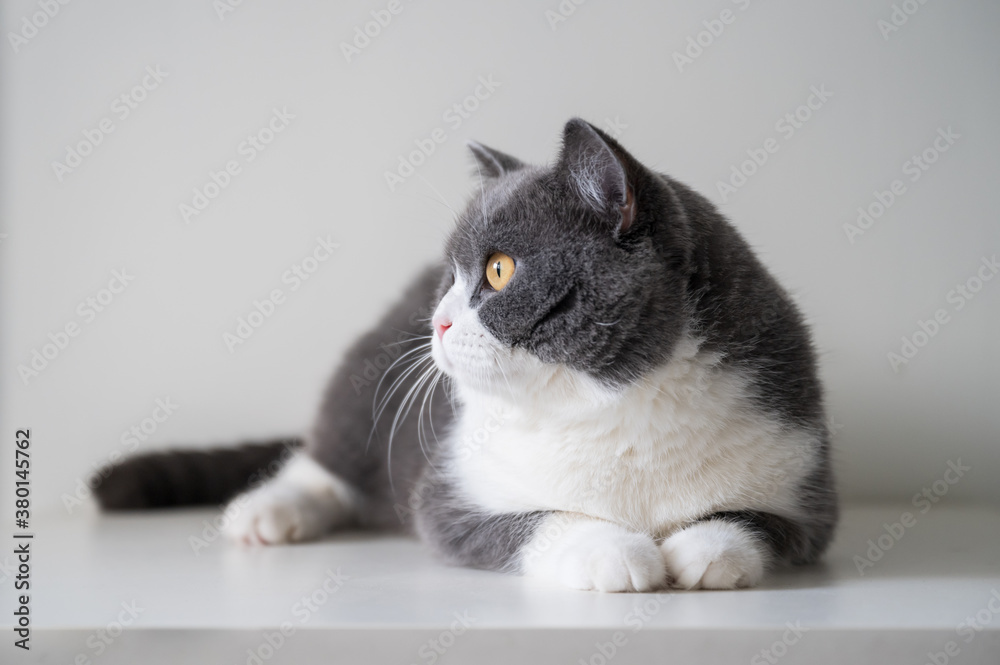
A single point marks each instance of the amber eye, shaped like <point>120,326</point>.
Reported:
<point>499,270</point>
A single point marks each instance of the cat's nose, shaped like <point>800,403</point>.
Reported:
<point>441,325</point>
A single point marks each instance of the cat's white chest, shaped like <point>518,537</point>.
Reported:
<point>682,445</point>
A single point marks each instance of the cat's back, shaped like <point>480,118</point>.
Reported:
<point>743,313</point>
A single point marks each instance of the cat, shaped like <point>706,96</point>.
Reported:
<point>611,393</point>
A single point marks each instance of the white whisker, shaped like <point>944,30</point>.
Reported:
<point>401,413</point>
<point>393,388</point>
<point>390,367</point>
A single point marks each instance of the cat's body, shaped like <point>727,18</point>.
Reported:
<point>636,403</point>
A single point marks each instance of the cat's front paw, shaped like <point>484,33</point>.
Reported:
<point>598,556</point>
<point>714,555</point>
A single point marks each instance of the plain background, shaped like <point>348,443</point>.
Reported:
<point>609,62</point>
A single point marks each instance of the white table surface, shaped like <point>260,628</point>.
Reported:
<point>398,605</point>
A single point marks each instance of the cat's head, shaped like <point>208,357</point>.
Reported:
<point>577,269</point>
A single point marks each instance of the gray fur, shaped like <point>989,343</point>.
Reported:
<point>464,534</point>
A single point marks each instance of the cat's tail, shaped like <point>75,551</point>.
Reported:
<point>189,477</point>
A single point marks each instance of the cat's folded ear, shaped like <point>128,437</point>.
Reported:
<point>491,164</point>
<point>595,167</point>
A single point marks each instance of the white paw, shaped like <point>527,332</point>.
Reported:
<point>302,502</point>
<point>714,555</point>
<point>271,516</point>
<point>596,555</point>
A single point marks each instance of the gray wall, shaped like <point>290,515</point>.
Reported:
<point>613,63</point>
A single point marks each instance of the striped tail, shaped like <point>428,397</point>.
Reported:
<point>175,478</point>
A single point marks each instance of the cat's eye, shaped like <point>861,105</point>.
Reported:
<point>499,270</point>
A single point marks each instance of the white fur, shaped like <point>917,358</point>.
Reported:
<point>583,553</point>
<point>302,502</point>
<point>714,555</point>
<point>680,444</point>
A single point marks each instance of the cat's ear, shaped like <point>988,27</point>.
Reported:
<point>490,163</point>
<point>594,166</point>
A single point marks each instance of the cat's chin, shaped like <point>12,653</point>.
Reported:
<point>464,380</point>
<point>524,382</point>
<point>534,386</point>
<point>482,385</point>
<point>478,383</point>
<point>441,360</point>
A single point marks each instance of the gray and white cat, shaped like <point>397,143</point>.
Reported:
<point>613,394</point>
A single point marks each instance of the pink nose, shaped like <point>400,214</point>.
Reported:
<point>441,325</point>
